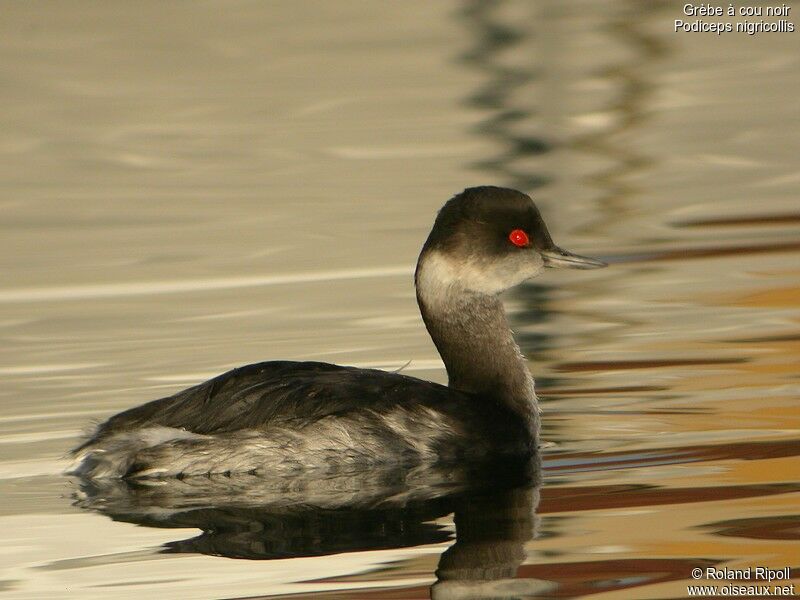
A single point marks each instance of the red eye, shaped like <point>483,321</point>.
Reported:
<point>519,238</point>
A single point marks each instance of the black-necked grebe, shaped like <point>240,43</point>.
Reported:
<point>283,416</point>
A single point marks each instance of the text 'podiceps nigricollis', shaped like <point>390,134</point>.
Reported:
<point>282,416</point>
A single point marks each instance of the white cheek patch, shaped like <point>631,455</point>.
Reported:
<point>439,273</point>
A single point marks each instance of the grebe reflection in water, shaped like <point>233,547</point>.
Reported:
<point>283,417</point>
<point>276,516</point>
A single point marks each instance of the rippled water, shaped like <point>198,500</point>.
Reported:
<point>192,187</point>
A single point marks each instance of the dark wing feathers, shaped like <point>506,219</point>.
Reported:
<point>279,392</point>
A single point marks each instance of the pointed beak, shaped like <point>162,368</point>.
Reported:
<point>556,258</point>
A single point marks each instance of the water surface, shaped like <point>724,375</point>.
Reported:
<point>191,188</point>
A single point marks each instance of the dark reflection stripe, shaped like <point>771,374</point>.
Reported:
<point>785,527</point>
<point>792,337</point>
<point>599,365</point>
<point>492,36</point>
<point>576,499</point>
<point>619,411</point>
<point>595,461</point>
<point>631,389</point>
<point>789,218</point>
<point>691,253</point>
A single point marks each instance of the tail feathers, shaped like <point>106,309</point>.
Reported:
<point>116,456</point>
<point>168,452</point>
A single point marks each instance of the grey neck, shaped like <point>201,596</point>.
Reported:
<point>472,334</point>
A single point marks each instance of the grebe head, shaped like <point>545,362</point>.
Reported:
<point>488,239</point>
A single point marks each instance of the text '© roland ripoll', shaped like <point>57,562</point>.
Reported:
<point>749,19</point>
